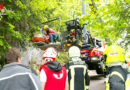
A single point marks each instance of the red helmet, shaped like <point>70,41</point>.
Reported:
<point>50,54</point>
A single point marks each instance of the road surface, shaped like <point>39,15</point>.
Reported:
<point>97,81</point>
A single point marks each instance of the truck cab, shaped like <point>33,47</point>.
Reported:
<point>92,54</point>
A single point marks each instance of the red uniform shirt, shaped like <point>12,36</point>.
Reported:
<point>55,80</point>
<point>50,31</point>
<point>72,33</point>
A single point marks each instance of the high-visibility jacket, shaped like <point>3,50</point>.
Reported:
<point>114,54</point>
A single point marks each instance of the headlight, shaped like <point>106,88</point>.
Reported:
<point>83,55</point>
<point>94,58</point>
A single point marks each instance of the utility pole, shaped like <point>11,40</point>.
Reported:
<point>85,28</point>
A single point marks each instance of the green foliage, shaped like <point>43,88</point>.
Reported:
<point>115,19</point>
<point>24,18</point>
<point>62,57</point>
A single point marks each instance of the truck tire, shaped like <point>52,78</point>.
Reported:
<point>99,68</point>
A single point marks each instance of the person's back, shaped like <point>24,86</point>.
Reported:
<point>77,75</point>
<point>114,55</point>
<point>53,75</point>
<point>117,78</point>
<point>114,58</point>
<point>56,76</point>
<point>77,71</point>
<point>15,76</point>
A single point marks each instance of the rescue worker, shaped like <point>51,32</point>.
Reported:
<point>116,75</point>
<point>127,83</point>
<point>16,76</point>
<point>53,36</point>
<point>114,56</point>
<point>77,71</point>
<point>53,75</point>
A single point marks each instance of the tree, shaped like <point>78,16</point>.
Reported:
<point>115,19</point>
<point>24,18</point>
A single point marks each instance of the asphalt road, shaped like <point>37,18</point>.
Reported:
<point>97,81</point>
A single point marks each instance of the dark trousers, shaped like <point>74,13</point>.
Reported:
<point>53,37</point>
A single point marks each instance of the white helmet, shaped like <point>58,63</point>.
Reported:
<point>74,51</point>
<point>50,54</point>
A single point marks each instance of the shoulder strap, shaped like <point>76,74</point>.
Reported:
<point>118,74</point>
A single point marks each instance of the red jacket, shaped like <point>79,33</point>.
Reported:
<point>72,33</point>
<point>55,80</point>
<point>50,31</point>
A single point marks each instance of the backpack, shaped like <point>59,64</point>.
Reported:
<point>117,79</point>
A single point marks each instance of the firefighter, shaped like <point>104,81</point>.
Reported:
<point>116,75</point>
<point>53,75</point>
<point>78,77</point>
<point>114,56</point>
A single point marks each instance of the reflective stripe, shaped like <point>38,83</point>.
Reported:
<point>114,53</point>
<point>73,75</point>
<point>127,83</point>
<point>86,87</point>
<point>114,64</point>
<point>123,53</point>
<point>118,74</point>
<point>107,84</point>
<point>33,81</point>
<point>72,78</point>
<point>78,66</point>
<point>84,75</point>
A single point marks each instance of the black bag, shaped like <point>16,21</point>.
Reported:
<point>117,78</point>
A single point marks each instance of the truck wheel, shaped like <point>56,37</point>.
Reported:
<point>99,68</point>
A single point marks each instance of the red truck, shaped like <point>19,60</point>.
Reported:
<point>93,56</point>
